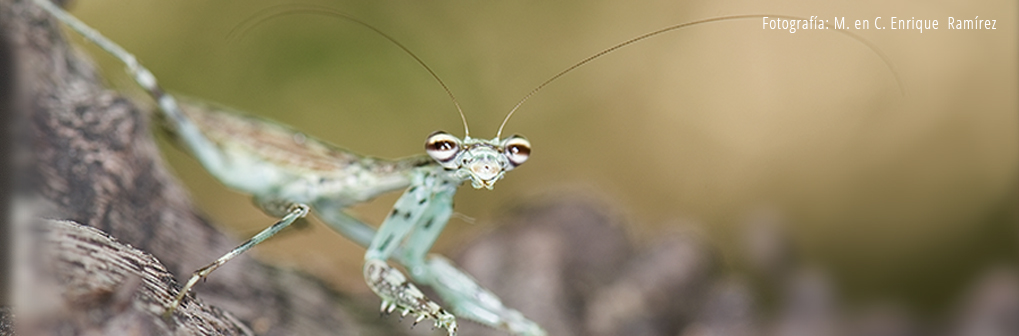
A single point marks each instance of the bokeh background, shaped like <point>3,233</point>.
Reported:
<point>898,179</point>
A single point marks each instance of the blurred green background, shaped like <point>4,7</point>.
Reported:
<point>900,194</point>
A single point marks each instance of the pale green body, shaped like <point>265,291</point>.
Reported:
<point>290,174</point>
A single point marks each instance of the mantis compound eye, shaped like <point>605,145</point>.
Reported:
<point>442,147</point>
<point>517,149</point>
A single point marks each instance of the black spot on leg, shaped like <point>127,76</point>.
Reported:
<point>386,242</point>
<point>422,201</point>
<point>412,189</point>
<point>429,222</point>
<point>394,213</point>
<point>406,215</point>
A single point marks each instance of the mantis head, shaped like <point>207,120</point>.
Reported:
<point>482,161</point>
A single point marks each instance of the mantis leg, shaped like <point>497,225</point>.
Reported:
<point>468,299</point>
<point>387,282</point>
<point>348,226</point>
<point>465,297</point>
<point>203,149</point>
<point>296,211</point>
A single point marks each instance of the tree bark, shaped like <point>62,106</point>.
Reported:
<point>118,221</point>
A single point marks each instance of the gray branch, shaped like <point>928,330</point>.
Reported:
<point>90,160</point>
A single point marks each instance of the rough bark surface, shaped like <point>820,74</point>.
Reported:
<point>118,289</point>
<point>92,161</point>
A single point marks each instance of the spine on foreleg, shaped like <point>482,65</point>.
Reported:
<point>397,293</point>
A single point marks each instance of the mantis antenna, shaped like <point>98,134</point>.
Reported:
<point>684,25</point>
<point>279,11</point>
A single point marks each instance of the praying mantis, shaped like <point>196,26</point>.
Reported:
<point>290,175</point>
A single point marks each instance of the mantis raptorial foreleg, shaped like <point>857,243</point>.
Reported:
<point>411,212</point>
<point>469,300</point>
<point>415,222</point>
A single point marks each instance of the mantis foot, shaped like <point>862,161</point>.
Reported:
<point>399,294</point>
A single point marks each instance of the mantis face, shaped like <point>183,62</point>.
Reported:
<point>481,161</point>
